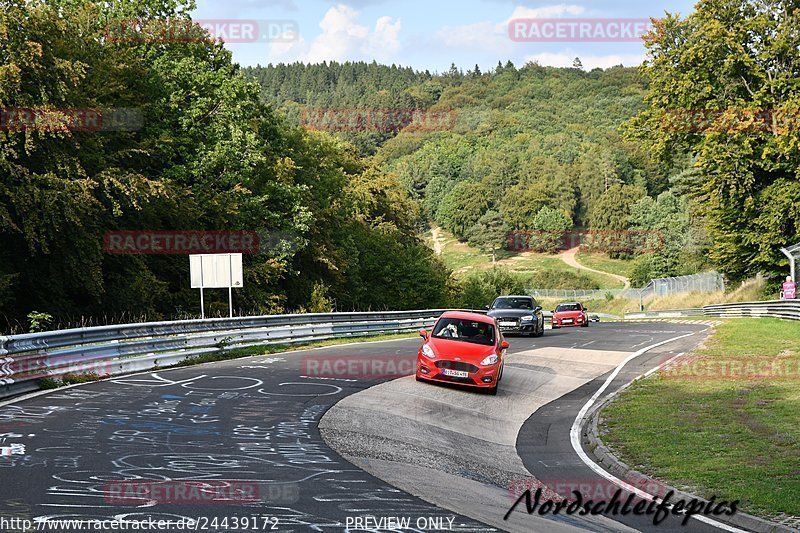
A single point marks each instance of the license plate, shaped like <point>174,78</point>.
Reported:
<point>508,324</point>
<point>567,321</point>
<point>455,373</point>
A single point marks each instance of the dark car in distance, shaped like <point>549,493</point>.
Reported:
<point>518,314</point>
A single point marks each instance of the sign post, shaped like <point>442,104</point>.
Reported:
<point>216,271</point>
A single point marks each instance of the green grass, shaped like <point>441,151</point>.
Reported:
<point>738,439</point>
<point>463,259</point>
<point>617,306</point>
<point>603,262</point>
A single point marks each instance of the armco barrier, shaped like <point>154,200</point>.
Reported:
<point>664,313</point>
<point>112,350</point>
<point>788,309</point>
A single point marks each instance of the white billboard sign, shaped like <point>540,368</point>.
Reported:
<point>216,271</point>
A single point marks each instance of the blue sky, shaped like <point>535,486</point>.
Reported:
<point>429,34</point>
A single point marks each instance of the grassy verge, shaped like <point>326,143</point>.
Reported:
<point>712,434</point>
<point>603,262</point>
<point>616,306</point>
<point>463,259</point>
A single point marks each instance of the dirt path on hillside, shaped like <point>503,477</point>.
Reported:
<point>568,256</point>
<point>438,240</point>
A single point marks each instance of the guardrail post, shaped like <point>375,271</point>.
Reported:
<point>3,341</point>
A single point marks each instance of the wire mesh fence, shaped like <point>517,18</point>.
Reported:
<point>704,282</point>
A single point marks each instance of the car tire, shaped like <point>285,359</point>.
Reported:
<point>492,391</point>
<point>585,325</point>
<point>541,331</point>
<point>420,379</point>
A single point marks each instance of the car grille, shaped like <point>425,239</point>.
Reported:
<point>510,320</point>
<point>456,365</point>
<point>452,379</point>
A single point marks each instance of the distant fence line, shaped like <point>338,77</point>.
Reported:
<point>705,282</point>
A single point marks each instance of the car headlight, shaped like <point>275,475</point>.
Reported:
<point>427,351</point>
<point>528,318</point>
<point>491,360</point>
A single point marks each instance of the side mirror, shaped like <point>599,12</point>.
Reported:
<point>423,333</point>
<point>504,345</point>
<point>537,308</point>
<point>486,307</point>
<point>585,308</point>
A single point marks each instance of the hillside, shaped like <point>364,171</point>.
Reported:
<point>528,149</point>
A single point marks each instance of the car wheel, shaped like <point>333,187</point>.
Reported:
<point>541,330</point>
<point>492,391</point>
<point>585,325</point>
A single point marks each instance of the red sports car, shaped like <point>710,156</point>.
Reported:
<point>569,315</point>
<point>464,348</point>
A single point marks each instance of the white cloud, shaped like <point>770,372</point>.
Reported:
<point>343,38</point>
<point>384,40</point>
<point>589,61</point>
<point>544,12</point>
<point>494,35</point>
<point>481,36</point>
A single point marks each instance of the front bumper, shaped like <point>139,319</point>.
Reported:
<point>484,377</point>
<point>516,326</point>
<point>559,322</point>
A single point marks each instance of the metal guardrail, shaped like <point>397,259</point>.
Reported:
<point>121,349</point>
<point>664,313</point>
<point>583,294</point>
<point>705,282</point>
<point>787,309</point>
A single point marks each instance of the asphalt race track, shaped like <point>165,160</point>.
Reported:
<point>244,437</point>
<point>471,452</point>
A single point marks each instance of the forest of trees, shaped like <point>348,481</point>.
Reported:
<point>530,148</point>
<point>209,156</point>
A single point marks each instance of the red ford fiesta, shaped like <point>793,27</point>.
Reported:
<point>463,348</point>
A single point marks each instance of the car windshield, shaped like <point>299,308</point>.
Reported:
<point>465,330</point>
<point>568,307</point>
<point>513,303</point>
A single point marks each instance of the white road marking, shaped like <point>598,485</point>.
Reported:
<point>575,439</point>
